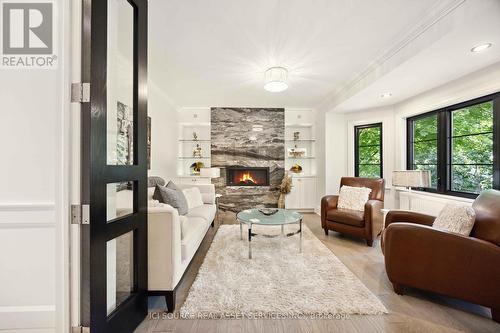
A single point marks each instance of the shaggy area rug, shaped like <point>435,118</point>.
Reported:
<point>278,280</point>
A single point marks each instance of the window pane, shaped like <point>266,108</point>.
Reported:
<point>120,83</point>
<point>369,136</point>
<point>369,155</point>
<point>119,200</point>
<point>469,150</point>
<point>473,119</point>
<point>425,146</point>
<point>471,178</point>
<point>119,270</point>
<point>369,171</point>
<point>369,151</point>
<point>425,152</point>
<point>425,128</point>
<point>432,169</point>
<point>474,149</point>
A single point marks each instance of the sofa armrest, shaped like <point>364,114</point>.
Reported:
<point>207,191</point>
<point>164,247</point>
<point>439,261</point>
<point>328,202</point>
<point>394,216</point>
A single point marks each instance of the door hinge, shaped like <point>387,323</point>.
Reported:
<point>80,214</point>
<point>80,92</point>
<point>80,329</point>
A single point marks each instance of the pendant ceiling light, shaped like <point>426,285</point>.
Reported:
<point>276,78</point>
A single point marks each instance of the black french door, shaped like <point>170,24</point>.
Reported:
<point>114,165</point>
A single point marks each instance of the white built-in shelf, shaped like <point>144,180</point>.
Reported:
<point>193,141</point>
<point>302,158</point>
<point>304,125</point>
<point>193,158</point>
<point>300,140</point>
<point>301,175</point>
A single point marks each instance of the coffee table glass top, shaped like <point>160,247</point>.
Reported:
<point>282,216</point>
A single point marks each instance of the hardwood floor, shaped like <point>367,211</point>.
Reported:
<point>416,311</point>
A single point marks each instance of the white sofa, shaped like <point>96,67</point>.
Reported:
<point>173,240</point>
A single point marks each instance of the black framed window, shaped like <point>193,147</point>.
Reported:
<point>423,145</point>
<point>460,145</point>
<point>368,151</point>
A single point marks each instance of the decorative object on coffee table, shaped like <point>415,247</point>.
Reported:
<point>268,211</point>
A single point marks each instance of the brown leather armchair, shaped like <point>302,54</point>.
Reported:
<point>464,267</point>
<point>367,224</point>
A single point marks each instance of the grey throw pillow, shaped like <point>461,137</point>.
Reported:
<point>155,180</point>
<point>171,197</point>
<point>171,185</point>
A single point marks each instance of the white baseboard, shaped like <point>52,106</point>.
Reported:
<point>28,318</point>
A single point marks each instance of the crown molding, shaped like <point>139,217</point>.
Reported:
<point>374,70</point>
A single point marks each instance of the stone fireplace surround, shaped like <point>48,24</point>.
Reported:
<point>247,137</point>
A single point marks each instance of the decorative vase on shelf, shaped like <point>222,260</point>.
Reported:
<point>195,136</point>
<point>296,168</point>
<point>196,167</point>
<point>197,151</point>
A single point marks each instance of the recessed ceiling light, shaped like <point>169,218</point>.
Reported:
<point>481,48</point>
<point>386,95</point>
<point>275,79</point>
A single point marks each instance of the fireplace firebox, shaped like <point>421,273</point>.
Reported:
<point>247,176</point>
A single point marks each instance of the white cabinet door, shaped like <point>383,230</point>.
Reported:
<point>194,180</point>
<point>308,193</point>
<point>292,199</point>
<point>303,194</point>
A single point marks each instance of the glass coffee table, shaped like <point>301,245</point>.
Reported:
<point>280,218</point>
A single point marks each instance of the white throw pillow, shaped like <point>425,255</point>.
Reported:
<point>193,197</point>
<point>353,198</point>
<point>456,218</point>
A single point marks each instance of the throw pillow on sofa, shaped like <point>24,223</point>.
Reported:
<point>353,198</point>
<point>193,197</point>
<point>174,198</point>
<point>456,218</point>
<point>155,180</point>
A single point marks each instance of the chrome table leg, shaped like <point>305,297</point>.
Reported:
<point>300,236</point>
<point>250,241</point>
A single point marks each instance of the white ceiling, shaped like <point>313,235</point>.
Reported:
<point>341,53</point>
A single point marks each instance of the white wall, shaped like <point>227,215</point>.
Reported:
<point>35,112</point>
<point>335,151</point>
<point>340,130</point>
<point>164,134</point>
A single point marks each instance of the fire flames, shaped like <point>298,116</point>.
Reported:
<point>247,178</point>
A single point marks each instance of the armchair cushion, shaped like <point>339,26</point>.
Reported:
<point>455,218</point>
<point>346,216</point>
<point>354,198</point>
